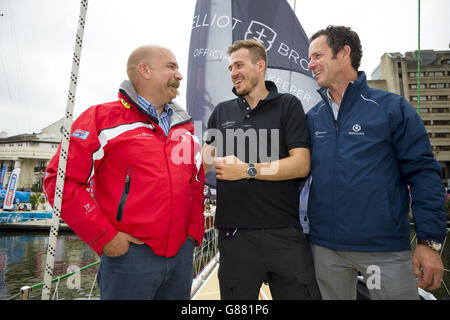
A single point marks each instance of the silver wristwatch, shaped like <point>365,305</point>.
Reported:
<point>251,171</point>
<point>436,246</point>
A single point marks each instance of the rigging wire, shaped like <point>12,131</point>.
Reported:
<point>22,97</point>
<point>8,89</point>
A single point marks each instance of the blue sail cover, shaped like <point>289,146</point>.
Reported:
<point>216,25</point>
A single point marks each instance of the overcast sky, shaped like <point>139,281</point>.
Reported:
<point>37,40</point>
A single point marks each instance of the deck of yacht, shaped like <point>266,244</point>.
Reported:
<point>206,284</point>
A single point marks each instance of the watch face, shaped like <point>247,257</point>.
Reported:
<point>251,172</point>
<point>436,246</point>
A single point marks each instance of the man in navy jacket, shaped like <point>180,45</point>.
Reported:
<point>367,147</point>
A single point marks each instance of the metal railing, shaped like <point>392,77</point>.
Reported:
<point>208,249</point>
<point>25,292</point>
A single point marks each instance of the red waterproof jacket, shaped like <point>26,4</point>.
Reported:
<point>154,182</point>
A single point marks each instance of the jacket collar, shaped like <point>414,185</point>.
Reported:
<point>179,114</point>
<point>352,87</point>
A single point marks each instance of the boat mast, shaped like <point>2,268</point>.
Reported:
<point>63,155</point>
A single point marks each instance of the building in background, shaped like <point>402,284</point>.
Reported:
<point>398,73</point>
<point>31,153</point>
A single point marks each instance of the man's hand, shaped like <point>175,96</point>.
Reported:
<point>230,168</point>
<point>208,157</point>
<point>120,244</point>
<point>192,239</point>
<point>428,267</point>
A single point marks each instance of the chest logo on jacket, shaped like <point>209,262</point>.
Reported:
<point>320,134</point>
<point>82,134</point>
<point>143,135</point>
<point>356,130</point>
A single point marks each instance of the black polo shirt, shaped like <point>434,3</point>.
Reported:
<point>266,133</point>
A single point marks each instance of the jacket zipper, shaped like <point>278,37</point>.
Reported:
<point>124,196</point>
<point>336,125</point>
<point>170,179</point>
<point>170,190</point>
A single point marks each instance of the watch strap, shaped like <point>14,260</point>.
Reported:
<point>436,246</point>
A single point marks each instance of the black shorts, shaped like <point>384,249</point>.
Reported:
<point>282,257</point>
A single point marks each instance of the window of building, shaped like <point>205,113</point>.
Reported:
<point>440,110</point>
<point>415,74</point>
<point>442,135</point>
<point>437,85</point>
<point>443,148</point>
<point>423,110</point>
<point>445,61</point>
<point>435,73</point>
<point>439,98</point>
<point>399,66</point>
<point>414,86</point>
<point>441,122</point>
<point>422,98</point>
<point>426,122</point>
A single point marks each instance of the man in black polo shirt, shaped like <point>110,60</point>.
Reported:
<point>259,146</point>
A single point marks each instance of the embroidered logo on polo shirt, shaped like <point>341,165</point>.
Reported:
<point>227,124</point>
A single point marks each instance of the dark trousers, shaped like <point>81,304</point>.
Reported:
<point>282,257</point>
<point>140,274</point>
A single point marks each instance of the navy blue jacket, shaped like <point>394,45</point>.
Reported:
<point>361,167</point>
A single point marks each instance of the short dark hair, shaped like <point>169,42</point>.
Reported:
<point>255,48</point>
<point>340,36</point>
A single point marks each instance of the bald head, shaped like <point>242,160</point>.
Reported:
<point>153,71</point>
<point>145,54</point>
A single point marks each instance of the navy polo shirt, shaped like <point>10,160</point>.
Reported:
<point>266,133</point>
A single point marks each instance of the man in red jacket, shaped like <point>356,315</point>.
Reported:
<point>146,211</point>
